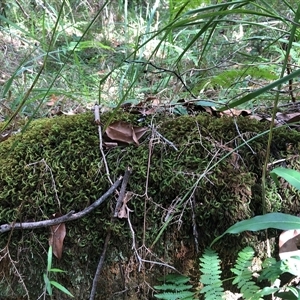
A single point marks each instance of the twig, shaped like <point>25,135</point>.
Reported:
<point>195,231</point>
<point>241,136</point>
<point>99,267</point>
<point>141,260</point>
<point>162,137</point>
<point>122,191</point>
<point>71,216</point>
<point>117,209</point>
<point>162,70</point>
<point>16,271</point>
<point>52,178</point>
<point>98,122</point>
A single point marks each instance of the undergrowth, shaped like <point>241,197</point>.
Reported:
<point>174,287</point>
<point>244,276</point>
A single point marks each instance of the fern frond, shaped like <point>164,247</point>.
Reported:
<point>243,274</point>
<point>210,278</point>
<point>185,295</point>
<point>173,287</point>
<point>271,270</point>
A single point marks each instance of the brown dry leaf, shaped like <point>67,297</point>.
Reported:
<point>123,210</point>
<point>124,132</point>
<point>53,100</point>
<point>258,118</point>
<point>57,235</point>
<point>288,118</point>
<point>288,244</point>
<point>154,100</point>
<point>236,112</point>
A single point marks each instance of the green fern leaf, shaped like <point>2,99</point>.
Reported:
<point>210,278</point>
<point>243,274</point>
<point>271,270</point>
<point>173,287</point>
<point>175,296</point>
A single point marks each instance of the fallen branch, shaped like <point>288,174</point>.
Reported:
<point>70,216</point>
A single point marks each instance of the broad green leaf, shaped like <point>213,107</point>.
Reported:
<point>290,175</point>
<point>47,284</point>
<point>292,294</point>
<point>271,220</point>
<point>268,291</point>
<point>205,103</point>
<point>60,287</point>
<point>49,260</point>
<point>56,270</point>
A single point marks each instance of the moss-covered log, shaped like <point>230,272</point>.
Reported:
<point>56,164</point>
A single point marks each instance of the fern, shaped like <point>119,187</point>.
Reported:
<point>271,270</point>
<point>175,287</point>
<point>210,278</point>
<point>243,274</point>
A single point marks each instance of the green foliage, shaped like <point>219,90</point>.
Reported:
<point>48,282</point>
<point>243,274</point>
<point>244,277</point>
<point>211,275</point>
<point>271,269</point>
<point>174,288</point>
<point>290,175</point>
<point>271,220</point>
<point>236,77</point>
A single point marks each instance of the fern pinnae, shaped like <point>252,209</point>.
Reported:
<point>174,288</point>
<point>243,274</point>
<point>211,275</point>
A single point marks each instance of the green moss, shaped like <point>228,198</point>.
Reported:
<point>69,147</point>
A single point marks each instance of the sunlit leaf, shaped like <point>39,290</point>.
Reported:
<point>60,287</point>
<point>272,220</point>
<point>290,175</point>
<point>47,284</point>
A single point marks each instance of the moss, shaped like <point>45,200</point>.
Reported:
<point>69,147</point>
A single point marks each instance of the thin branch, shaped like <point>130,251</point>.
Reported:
<point>122,191</point>
<point>98,122</point>
<point>162,137</point>
<point>99,267</point>
<point>141,260</point>
<point>162,70</point>
<point>70,216</point>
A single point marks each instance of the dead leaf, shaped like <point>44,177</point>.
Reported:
<point>153,99</point>
<point>288,118</point>
<point>288,244</point>
<point>124,132</point>
<point>53,100</point>
<point>236,112</point>
<point>57,235</point>
<point>123,210</point>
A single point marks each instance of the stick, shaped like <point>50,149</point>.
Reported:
<point>99,267</point>
<point>70,216</point>
<point>122,191</point>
